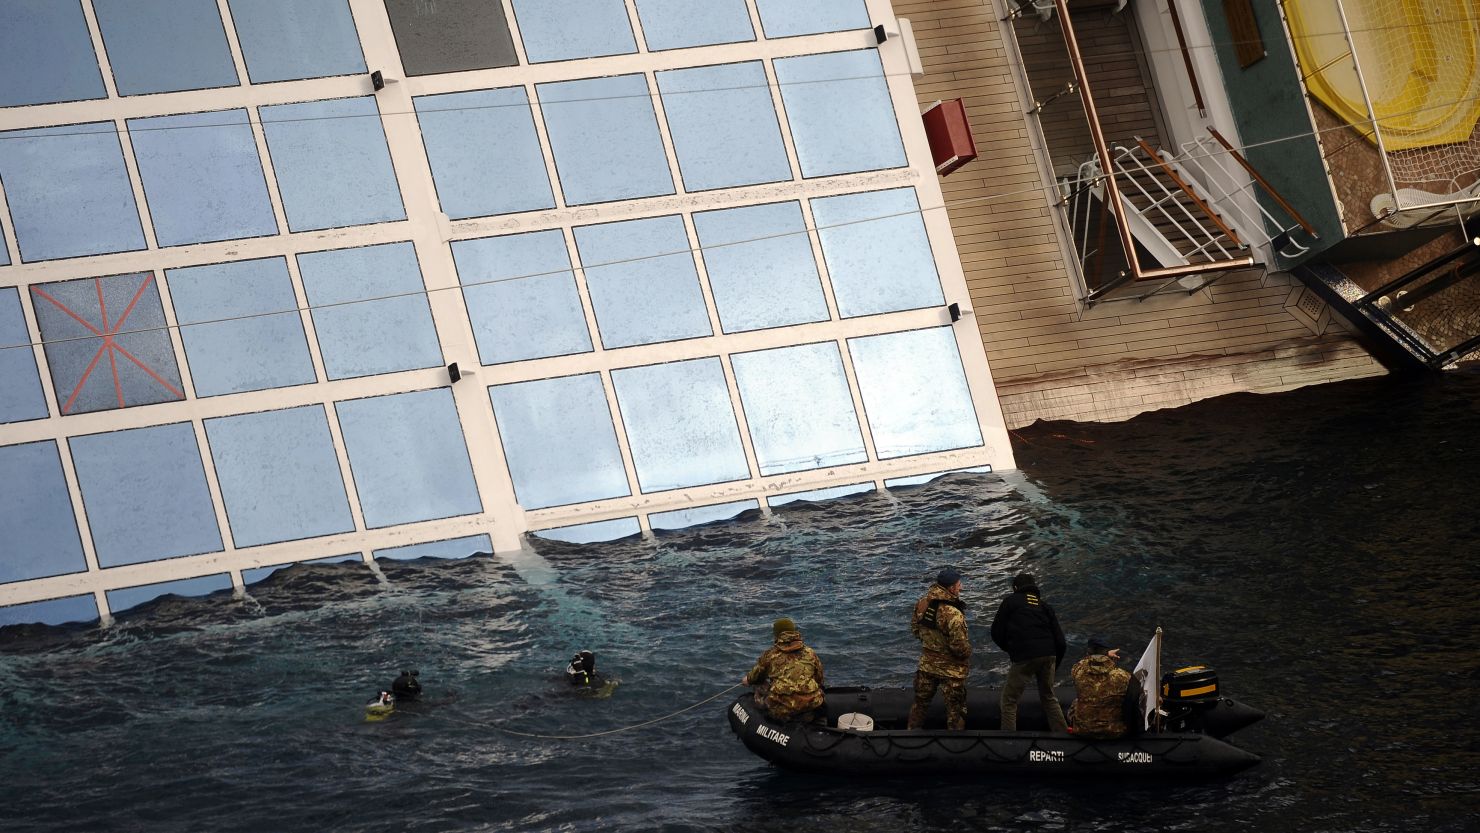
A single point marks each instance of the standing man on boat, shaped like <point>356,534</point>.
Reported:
<point>1028,630</point>
<point>945,650</point>
<point>788,677</point>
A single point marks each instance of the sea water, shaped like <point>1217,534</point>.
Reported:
<point>1318,548</point>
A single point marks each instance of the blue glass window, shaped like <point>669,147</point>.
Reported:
<point>562,30</point>
<point>144,491</point>
<point>359,336</point>
<point>283,40</point>
<point>69,192</point>
<point>818,495</point>
<point>592,532</point>
<point>683,518</point>
<point>202,177</point>
<point>922,479</point>
<point>785,18</point>
<point>485,155</point>
<point>279,475</point>
<point>408,457</point>
<point>333,165</point>
<point>4,251</point>
<point>51,612</point>
<point>559,441</point>
<point>46,54</point>
<point>131,597</point>
<point>674,24</point>
<point>255,574</point>
<point>798,408</point>
<point>21,397</point>
<point>106,343</point>
<point>824,93</point>
<point>36,519</point>
<point>521,296</point>
<point>649,290</point>
<point>451,35</point>
<point>914,392</point>
<point>196,57</point>
<point>264,347</point>
<point>680,424</point>
<point>877,252</point>
<point>760,265</point>
<point>450,548</point>
<point>724,126</point>
<point>604,134</point>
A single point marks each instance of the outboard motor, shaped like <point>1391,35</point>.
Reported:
<point>1187,696</point>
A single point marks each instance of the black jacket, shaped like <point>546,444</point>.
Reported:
<point>1027,628</point>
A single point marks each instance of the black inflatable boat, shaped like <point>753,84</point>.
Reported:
<point>1189,745</point>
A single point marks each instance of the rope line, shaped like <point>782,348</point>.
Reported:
<point>516,733</point>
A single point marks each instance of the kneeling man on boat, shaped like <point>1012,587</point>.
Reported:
<point>1100,686</point>
<point>945,650</point>
<point>788,677</point>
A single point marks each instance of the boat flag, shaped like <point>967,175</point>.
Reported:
<point>1148,674</point>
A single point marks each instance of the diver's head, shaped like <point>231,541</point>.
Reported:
<point>582,667</point>
<point>407,686</point>
<point>585,660</point>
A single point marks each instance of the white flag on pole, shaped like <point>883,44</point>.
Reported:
<point>1148,674</point>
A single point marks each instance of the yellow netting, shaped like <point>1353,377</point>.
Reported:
<point>1420,65</point>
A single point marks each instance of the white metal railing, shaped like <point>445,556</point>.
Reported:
<point>1193,238</point>
<point>1229,190</point>
<point>1164,220</point>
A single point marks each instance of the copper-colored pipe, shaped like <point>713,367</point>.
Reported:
<point>1263,183</point>
<point>1112,191</point>
<point>1097,135</point>
<point>1192,195</point>
<point>1196,269</point>
<point>1186,55</point>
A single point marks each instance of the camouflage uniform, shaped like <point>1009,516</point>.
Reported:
<point>788,678</point>
<point>945,654</point>
<point>1100,687</point>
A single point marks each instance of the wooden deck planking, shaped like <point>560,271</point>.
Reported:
<point>1002,214</point>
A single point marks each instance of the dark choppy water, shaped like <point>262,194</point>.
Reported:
<point>1317,547</point>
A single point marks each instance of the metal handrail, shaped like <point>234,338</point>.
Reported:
<point>1097,135</point>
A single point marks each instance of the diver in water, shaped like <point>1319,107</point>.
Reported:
<point>403,690</point>
<point>581,675</point>
<point>407,687</point>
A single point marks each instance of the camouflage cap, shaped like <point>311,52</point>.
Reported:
<point>781,626</point>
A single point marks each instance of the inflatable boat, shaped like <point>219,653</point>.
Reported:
<point>1189,743</point>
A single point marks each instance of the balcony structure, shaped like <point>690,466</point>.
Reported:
<point>1068,333</point>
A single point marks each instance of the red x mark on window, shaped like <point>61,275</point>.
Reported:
<point>109,346</point>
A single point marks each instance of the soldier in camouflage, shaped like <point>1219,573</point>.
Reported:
<point>788,677</point>
<point>939,623</point>
<point>1100,686</point>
